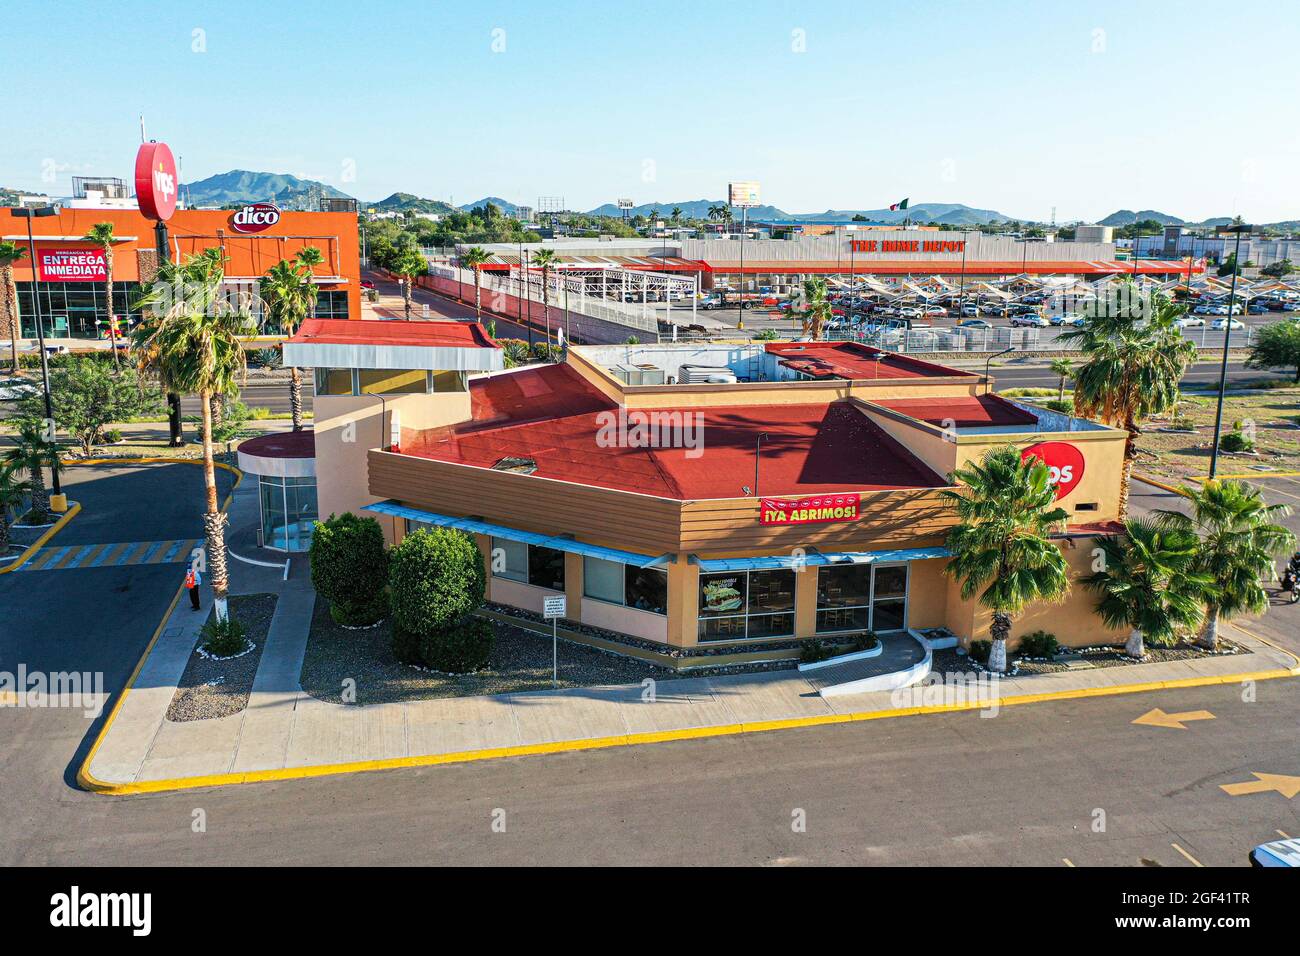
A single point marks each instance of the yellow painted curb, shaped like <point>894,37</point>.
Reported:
<point>155,460</point>
<point>1255,476</point>
<point>1158,484</point>
<point>631,740</point>
<point>74,508</point>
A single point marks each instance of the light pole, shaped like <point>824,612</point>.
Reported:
<point>29,214</point>
<point>989,361</point>
<point>1227,337</point>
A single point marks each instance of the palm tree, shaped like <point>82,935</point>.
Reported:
<point>101,236</point>
<point>677,213</point>
<point>194,336</point>
<point>13,492</point>
<point>817,310</point>
<point>11,252</point>
<point>1064,368</point>
<point>546,259</point>
<point>475,257</point>
<point>33,451</point>
<point>308,258</point>
<point>407,266</point>
<point>1239,540</point>
<point>287,291</point>
<point>1001,550</point>
<point>1135,360</point>
<point>1149,583</point>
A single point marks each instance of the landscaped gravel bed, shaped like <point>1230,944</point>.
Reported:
<point>948,661</point>
<point>521,661</point>
<point>211,688</point>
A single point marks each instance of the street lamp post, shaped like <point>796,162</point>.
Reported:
<point>29,214</point>
<point>1227,338</point>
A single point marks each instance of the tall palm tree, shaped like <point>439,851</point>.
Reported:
<point>13,492</point>
<point>195,337</point>
<point>1239,540</point>
<point>409,264</point>
<point>33,451</point>
<point>1064,368</point>
<point>1149,583</point>
<point>11,252</point>
<point>1001,549</point>
<point>101,236</point>
<point>287,290</point>
<point>677,213</point>
<point>817,310</point>
<point>1135,357</point>
<point>308,258</point>
<point>475,257</point>
<point>546,259</point>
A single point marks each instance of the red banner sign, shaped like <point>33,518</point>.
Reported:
<point>156,181</point>
<point>257,217</point>
<point>71,264</point>
<point>808,510</point>
<point>1063,460</point>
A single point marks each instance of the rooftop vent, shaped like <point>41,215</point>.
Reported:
<point>516,466</point>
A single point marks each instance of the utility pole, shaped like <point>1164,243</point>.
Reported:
<point>1227,338</point>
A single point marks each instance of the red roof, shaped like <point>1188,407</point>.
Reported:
<point>551,416</point>
<point>967,412</point>
<point>437,334</point>
<point>852,360</point>
<point>281,445</point>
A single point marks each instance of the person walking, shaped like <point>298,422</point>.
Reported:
<point>192,581</point>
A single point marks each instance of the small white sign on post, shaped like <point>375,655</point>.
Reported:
<point>553,608</point>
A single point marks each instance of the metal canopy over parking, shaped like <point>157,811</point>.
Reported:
<point>815,558</point>
<point>528,537</point>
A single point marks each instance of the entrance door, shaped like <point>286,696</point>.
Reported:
<point>889,597</point>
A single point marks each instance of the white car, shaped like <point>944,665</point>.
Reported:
<point>1190,322</point>
<point>1031,321</point>
<point>12,389</point>
<point>1220,324</point>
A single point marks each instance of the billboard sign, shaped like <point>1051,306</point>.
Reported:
<point>71,264</point>
<point>816,510</point>
<point>625,204</point>
<point>742,195</point>
<point>257,217</point>
<point>1063,461</point>
<point>156,181</point>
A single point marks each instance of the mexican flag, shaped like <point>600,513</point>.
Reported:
<point>902,204</point>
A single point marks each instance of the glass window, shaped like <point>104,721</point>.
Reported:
<point>333,381</point>
<point>450,382</point>
<point>289,512</point>
<point>861,597</point>
<point>746,604</point>
<point>331,304</point>
<point>510,559</point>
<point>271,493</point>
<point>545,568</point>
<point>602,580</point>
<point>647,589</point>
<point>388,381</point>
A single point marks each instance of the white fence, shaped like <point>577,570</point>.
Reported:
<point>898,339</point>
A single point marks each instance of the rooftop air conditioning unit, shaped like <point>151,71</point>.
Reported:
<point>646,375</point>
<point>707,375</point>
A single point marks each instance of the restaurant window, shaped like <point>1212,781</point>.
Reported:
<point>453,381</point>
<point>528,564</point>
<point>645,589</point>
<point>333,381</point>
<point>746,604</point>
<point>859,597</point>
<point>331,304</point>
<point>390,381</point>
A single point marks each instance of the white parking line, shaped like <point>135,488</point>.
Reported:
<point>1195,861</point>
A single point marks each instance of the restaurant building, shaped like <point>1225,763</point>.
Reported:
<point>71,273</point>
<point>738,498</point>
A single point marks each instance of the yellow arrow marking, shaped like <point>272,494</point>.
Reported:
<point>1264,782</point>
<point>1158,718</point>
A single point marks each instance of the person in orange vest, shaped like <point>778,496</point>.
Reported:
<point>192,581</point>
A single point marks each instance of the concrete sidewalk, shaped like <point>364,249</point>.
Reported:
<point>286,733</point>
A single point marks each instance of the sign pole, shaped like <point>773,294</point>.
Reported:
<point>555,653</point>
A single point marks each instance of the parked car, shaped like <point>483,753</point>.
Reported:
<point>1190,322</point>
<point>970,310</point>
<point>1221,324</point>
<point>974,324</point>
<point>367,283</point>
<point>1064,318</point>
<point>935,311</point>
<point>1034,321</point>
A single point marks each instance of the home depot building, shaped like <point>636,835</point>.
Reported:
<point>801,499</point>
<point>71,273</point>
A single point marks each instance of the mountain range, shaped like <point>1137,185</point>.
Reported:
<point>241,186</point>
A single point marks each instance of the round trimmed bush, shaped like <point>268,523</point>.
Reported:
<point>435,580</point>
<point>460,649</point>
<point>350,569</point>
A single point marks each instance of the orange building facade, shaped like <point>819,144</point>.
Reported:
<point>71,279</point>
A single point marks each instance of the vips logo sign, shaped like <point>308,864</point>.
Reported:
<point>156,181</point>
<point>808,510</point>
<point>258,217</point>
<point>72,264</point>
<point>1063,461</point>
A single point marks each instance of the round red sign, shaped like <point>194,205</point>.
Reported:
<point>255,218</point>
<point>156,181</point>
<point>1063,460</point>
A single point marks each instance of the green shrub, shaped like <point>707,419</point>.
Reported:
<point>406,646</point>
<point>1236,441</point>
<point>463,648</point>
<point>980,650</point>
<point>1062,405</point>
<point>815,650</point>
<point>863,641</point>
<point>350,569</point>
<point>435,580</point>
<point>234,416</point>
<point>516,352</point>
<point>1039,644</point>
<point>223,638</point>
<point>268,358</point>
<point>112,436</point>
<point>767,335</point>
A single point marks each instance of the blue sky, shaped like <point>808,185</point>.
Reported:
<point>1018,107</point>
